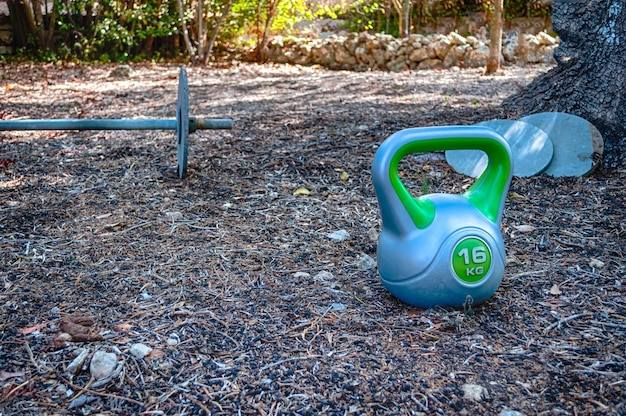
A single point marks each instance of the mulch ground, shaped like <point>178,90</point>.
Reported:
<point>230,278</point>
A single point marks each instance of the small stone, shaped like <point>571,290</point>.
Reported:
<point>122,71</point>
<point>140,350</point>
<point>102,364</point>
<point>365,262</point>
<point>174,215</point>
<point>507,412</point>
<point>324,276</point>
<point>80,401</point>
<point>339,235</point>
<point>77,363</point>
<point>173,340</point>
<point>474,392</point>
<point>596,264</point>
<point>338,306</point>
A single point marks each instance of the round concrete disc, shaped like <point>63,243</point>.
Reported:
<point>530,146</point>
<point>182,123</point>
<point>578,145</point>
<point>467,162</point>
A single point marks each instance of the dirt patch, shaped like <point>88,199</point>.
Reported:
<point>229,276</point>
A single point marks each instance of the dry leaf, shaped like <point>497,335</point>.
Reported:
<point>114,226</point>
<point>525,228</point>
<point>79,328</point>
<point>34,328</point>
<point>345,176</point>
<point>125,327</point>
<point>155,354</point>
<point>302,191</point>
<point>554,290</point>
<point>516,197</point>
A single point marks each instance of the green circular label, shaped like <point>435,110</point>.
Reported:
<point>471,259</point>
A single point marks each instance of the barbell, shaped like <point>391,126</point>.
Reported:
<point>183,124</point>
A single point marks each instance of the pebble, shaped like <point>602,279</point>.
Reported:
<point>122,71</point>
<point>474,392</point>
<point>102,364</point>
<point>339,235</point>
<point>507,412</point>
<point>324,276</point>
<point>77,363</point>
<point>140,350</point>
<point>365,262</point>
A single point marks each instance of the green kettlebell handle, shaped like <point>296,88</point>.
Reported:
<point>487,194</point>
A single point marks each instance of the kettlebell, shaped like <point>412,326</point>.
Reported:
<point>442,249</point>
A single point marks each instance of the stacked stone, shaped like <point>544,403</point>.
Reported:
<point>366,51</point>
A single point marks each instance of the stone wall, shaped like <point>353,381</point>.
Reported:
<point>365,51</point>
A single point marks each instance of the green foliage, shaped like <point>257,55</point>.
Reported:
<point>131,30</point>
<point>245,17</point>
<point>366,15</point>
<point>113,30</point>
<point>371,15</point>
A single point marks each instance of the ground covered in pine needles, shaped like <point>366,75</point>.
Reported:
<point>249,288</point>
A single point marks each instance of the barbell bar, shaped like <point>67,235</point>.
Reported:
<point>183,124</point>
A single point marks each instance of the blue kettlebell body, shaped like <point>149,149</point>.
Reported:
<point>442,249</point>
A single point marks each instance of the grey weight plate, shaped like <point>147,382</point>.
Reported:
<point>182,123</point>
<point>578,145</point>
<point>531,148</point>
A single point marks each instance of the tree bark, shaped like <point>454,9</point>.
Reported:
<point>588,80</point>
<point>260,52</point>
<point>216,30</point>
<point>403,8</point>
<point>495,38</point>
<point>190,49</point>
<point>23,21</point>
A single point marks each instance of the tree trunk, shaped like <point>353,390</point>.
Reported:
<point>201,30</point>
<point>588,80</point>
<point>23,21</point>
<point>181,12</point>
<point>260,52</point>
<point>495,38</point>
<point>403,8</point>
<point>216,30</point>
<point>406,18</point>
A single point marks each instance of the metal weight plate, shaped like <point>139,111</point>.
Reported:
<point>182,123</point>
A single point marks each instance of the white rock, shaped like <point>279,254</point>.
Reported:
<point>339,235</point>
<point>140,350</point>
<point>365,262</point>
<point>474,392</point>
<point>324,276</point>
<point>507,412</point>
<point>102,364</point>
